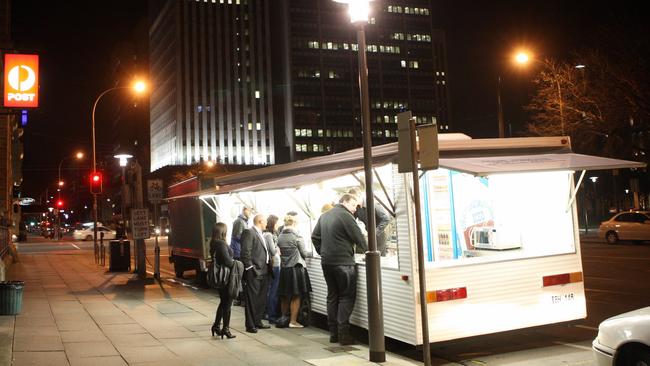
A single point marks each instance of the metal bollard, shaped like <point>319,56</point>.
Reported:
<point>102,250</point>
<point>156,268</point>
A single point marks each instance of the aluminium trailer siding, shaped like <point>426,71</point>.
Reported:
<point>398,295</point>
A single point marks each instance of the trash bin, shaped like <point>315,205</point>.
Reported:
<point>120,251</point>
<point>11,297</point>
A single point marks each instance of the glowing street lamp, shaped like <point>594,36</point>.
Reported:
<point>79,155</point>
<point>359,11</point>
<point>522,58</point>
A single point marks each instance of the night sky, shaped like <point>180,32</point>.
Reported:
<point>74,39</point>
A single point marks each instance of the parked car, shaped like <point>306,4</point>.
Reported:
<point>87,233</point>
<point>624,340</point>
<point>630,225</point>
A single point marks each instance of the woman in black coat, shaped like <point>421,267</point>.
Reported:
<point>222,255</point>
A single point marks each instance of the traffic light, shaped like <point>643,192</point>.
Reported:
<point>96,183</point>
<point>59,204</point>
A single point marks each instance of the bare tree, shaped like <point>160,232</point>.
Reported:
<point>599,106</point>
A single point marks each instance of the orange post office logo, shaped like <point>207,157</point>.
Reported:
<point>21,81</point>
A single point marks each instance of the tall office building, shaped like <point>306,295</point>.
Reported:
<point>210,67</point>
<point>406,71</point>
<point>260,81</point>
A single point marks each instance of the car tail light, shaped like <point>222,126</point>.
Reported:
<point>562,279</point>
<point>447,294</point>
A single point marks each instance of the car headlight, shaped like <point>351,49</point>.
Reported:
<point>166,231</point>
<point>157,231</point>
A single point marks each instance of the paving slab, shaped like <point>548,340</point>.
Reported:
<point>38,343</point>
<point>149,354</point>
<point>98,361</point>
<point>40,359</point>
<point>90,335</point>
<point>7,326</point>
<point>90,349</point>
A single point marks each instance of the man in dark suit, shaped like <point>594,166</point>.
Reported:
<point>257,264</point>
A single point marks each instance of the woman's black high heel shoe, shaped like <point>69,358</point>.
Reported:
<point>226,332</point>
<point>215,330</point>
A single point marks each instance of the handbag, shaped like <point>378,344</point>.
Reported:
<point>220,275</point>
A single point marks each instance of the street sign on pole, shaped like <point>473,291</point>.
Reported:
<point>140,223</point>
<point>154,190</point>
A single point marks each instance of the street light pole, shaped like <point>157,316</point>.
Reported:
<point>373,257</point>
<point>502,126</point>
<point>95,167</point>
<point>358,10</point>
<point>139,87</point>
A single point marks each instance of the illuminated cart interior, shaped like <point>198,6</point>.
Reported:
<point>499,224</point>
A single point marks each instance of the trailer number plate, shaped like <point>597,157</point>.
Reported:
<point>556,299</point>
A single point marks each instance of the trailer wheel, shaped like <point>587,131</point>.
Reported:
<point>178,270</point>
<point>611,237</point>
<point>201,277</point>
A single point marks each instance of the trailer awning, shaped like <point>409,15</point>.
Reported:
<point>483,166</point>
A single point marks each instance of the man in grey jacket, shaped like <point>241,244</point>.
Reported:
<point>334,238</point>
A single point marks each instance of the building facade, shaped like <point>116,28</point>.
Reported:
<point>261,81</point>
<point>210,67</point>
<point>406,70</point>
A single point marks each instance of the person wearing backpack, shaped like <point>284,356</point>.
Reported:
<point>294,278</point>
<point>222,255</point>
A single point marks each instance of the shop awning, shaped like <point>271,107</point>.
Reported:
<point>483,166</point>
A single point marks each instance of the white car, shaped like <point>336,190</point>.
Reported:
<point>87,233</point>
<point>631,225</point>
<point>624,340</point>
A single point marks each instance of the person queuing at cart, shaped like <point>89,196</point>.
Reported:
<point>271,239</point>
<point>222,255</point>
<point>294,278</point>
<point>238,226</point>
<point>382,220</point>
<point>334,238</point>
<point>256,257</point>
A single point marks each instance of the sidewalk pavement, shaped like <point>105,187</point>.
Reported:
<point>75,313</point>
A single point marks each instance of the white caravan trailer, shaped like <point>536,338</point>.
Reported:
<point>500,230</point>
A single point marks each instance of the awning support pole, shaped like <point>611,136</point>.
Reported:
<point>383,188</point>
<point>363,184</point>
<point>208,204</point>
<point>575,191</point>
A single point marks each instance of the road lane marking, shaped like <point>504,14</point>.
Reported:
<point>75,245</point>
<point>573,345</point>
<point>586,327</point>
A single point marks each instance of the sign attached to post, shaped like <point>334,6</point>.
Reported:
<point>428,152</point>
<point>427,144</point>
<point>404,142</point>
<point>140,223</point>
<point>154,190</point>
<point>21,81</point>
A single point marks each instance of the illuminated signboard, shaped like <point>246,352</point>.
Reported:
<point>21,81</point>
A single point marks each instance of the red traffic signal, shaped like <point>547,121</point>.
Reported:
<point>96,183</point>
<point>59,204</point>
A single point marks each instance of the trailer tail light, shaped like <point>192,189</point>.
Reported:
<point>562,279</point>
<point>447,294</point>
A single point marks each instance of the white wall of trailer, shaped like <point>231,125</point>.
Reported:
<point>504,294</point>
<point>398,294</point>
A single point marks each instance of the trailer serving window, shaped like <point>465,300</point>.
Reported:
<point>496,208</point>
<point>308,195</point>
<point>469,219</point>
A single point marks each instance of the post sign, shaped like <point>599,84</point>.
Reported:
<point>21,81</point>
<point>140,223</point>
<point>154,190</point>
